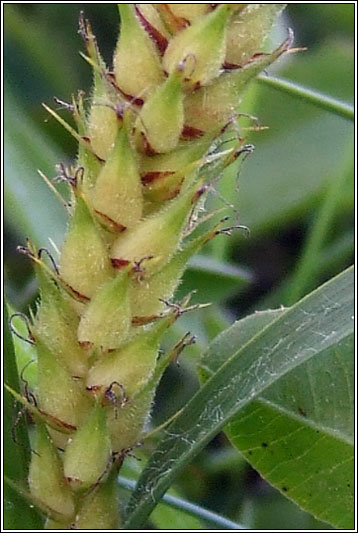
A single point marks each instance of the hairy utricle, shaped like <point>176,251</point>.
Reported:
<point>138,186</point>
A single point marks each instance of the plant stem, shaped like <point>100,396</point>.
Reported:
<point>311,96</point>
<point>190,508</point>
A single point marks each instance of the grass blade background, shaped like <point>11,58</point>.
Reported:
<point>318,322</point>
<point>26,150</point>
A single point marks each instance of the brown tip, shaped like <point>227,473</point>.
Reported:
<point>175,23</point>
<point>77,295</point>
<point>93,389</point>
<point>143,320</point>
<point>199,193</point>
<point>86,345</point>
<point>118,264</point>
<point>146,146</point>
<point>149,177</point>
<point>130,98</point>
<point>54,421</point>
<point>110,224</point>
<point>158,38</point>
<point>189,133</point>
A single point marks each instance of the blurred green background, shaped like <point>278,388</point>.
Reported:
<point>295,195</point>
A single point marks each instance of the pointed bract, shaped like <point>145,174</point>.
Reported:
<point>103,122</point>
<point>58,393</point>
<point>118,193</point>
<point>107,319</point>
<point>201,47</point>
<point>88,453</point>
<point>157,237</point>
<point>219,102</point>
<point>56,324</point>
<point>147,296</point>
<point>46,478</point>
<point>248,30</point>
<point>161,120</point>
<point>127,427</point>
<point>137,65</point>
<point>102,127</point>
<point>130,366</point>
<point>84,265</point>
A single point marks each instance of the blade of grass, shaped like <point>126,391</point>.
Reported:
<point>30,40</point>
<point>332,259</point>
<point>306,269</point>
<point>26,149</point>
<point>333,105</point>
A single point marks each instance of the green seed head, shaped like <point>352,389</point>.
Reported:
<point>149,143</point>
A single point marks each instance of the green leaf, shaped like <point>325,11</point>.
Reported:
<point>298,436</point>
<point>213,280</point>
<point>282,433</point>
<point>306,331</point>
<point>306,268</point>
<point>40,67</point>
<point>284,177</point>
<point>304,147</point>
<point>18,515</point>
<point>28,200</point>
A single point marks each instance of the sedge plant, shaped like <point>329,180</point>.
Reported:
<point>148,141</point>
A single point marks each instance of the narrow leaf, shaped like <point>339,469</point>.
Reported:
<point>26,149</point>
<point>299,433</point>
<point>304,332</point>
